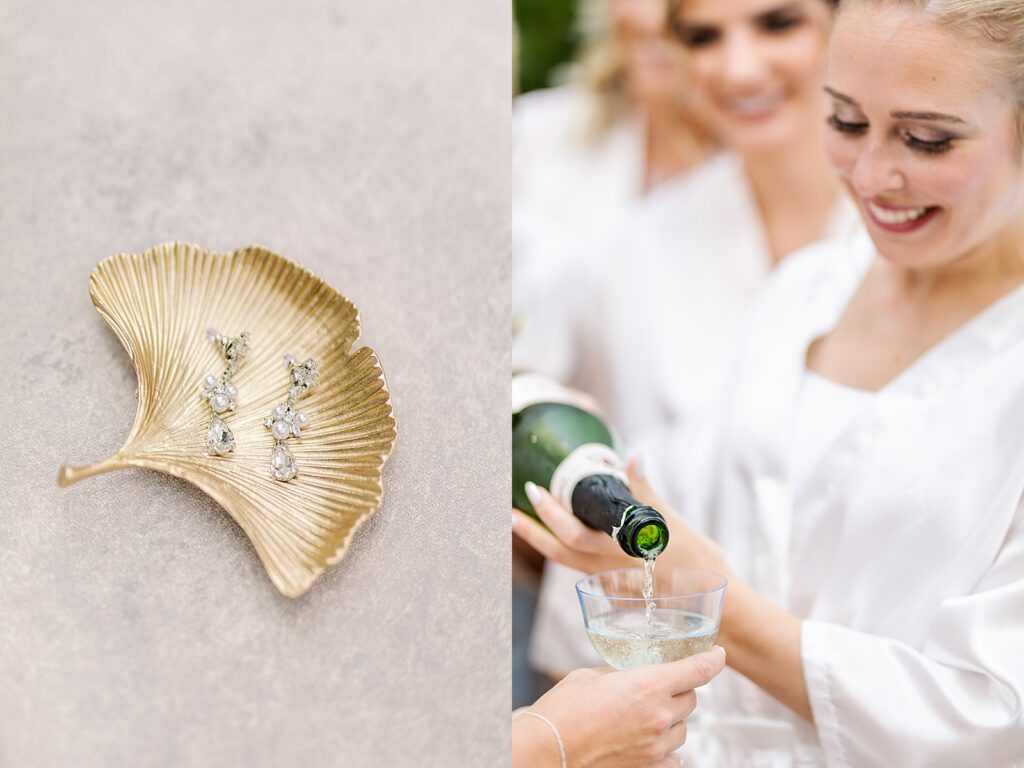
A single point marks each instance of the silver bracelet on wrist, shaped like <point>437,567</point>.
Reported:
<point>554,730</point>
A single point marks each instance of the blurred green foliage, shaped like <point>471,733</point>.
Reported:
<point>547,39</point>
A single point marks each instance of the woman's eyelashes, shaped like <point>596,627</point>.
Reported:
<point>773,23</point>
<point>697,36</point>
<point>846,127</point>
<point>777,22</point>
<point>933,147</point>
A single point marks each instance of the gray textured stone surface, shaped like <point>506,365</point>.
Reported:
<point>137,627</point>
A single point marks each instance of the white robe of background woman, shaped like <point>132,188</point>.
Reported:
<point>568,187</point>
<point>903,551</point>
<point>648,321</point>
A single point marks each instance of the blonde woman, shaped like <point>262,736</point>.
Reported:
<point>867,493</point>
<point>587,151</point>
<point>585,155</point>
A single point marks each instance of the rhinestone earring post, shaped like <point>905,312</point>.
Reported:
<point>285,422</point>
<point>221,392</point>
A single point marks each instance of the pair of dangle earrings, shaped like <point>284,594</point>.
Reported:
<point>284,421</point>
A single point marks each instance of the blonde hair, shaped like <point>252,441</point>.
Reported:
<point>997,22</point>
<point>601,68</point>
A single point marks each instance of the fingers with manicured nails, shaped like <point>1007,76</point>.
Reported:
<point>695,671</point>
<point>563,523</point>
<point>541,539</point>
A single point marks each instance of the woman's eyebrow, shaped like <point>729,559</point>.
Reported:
<point>841,96</point>
<point>779,11</point>
<point>900,114</point>
<point>903,115</point>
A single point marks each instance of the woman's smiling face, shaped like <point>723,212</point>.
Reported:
<point>758,66</point>
<point>923,132</point>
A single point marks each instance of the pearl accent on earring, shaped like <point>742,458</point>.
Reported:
<point>285,422</point>
<point>220,392</point>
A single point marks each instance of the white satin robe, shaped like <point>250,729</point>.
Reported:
<point>567,188</point>
<point>903,552</point>
<point>624,320</point>
<point>650,325</point>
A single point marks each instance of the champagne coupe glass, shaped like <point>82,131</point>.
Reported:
<point>627,629</point>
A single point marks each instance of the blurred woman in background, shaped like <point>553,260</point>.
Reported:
<point>866,491</point>
<point>651,326</point>
<point>587,151</point>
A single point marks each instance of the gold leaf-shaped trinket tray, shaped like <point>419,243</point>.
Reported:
<point>160,303</point>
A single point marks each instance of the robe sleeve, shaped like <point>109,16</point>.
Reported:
<point>956,701</point>
<point>547,337</point>
<point>556,324</point>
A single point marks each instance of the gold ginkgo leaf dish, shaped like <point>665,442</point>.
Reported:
<point>160,304</point>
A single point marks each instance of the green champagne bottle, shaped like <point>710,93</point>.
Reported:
<point>561,446</point>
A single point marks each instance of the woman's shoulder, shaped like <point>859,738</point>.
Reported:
<point>559,109</point>
<point>546,101</point>
<point>710,198</point>
<point>713,185</point>
<point>697,225</point>
<point>830,266</point>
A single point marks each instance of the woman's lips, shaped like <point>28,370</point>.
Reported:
<point>900,219</point>
<point>752,107</point>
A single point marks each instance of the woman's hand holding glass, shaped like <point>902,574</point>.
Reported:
<point>609,719</point>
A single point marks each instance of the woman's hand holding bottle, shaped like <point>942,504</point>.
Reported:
<point>568,541</point>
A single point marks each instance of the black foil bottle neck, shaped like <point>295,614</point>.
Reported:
<point>605,503</point>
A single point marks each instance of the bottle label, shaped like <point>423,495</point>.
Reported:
<point>532,388</point>
<point>586,460</point>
